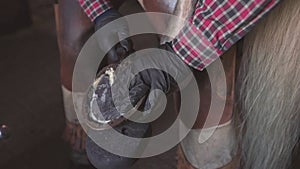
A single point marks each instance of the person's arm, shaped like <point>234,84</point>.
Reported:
<point>94,8</point>
<point>102,12</point>
<point>216,26</point>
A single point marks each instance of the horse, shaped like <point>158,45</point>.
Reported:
<point>262,78</point>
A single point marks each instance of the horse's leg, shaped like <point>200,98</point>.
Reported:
<point>223,141</point>
<point>220,149</point>
<point>270,89</point>
<point>73,29</point>
<point>183,163</point>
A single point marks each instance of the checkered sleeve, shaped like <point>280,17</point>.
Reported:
<point>215,26</point>
<point>94,8</point>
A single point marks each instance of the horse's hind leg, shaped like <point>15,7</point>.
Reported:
<point>218,151</point>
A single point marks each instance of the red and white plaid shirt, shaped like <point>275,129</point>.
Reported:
<point>215,26</point>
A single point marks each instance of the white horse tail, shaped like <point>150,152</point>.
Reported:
<point>269,93</point>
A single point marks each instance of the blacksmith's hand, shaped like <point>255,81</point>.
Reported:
<point>161,69</point>
<point>120,31</point>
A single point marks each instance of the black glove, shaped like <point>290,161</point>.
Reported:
<point>141,84</point>
<point>120,31</point>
